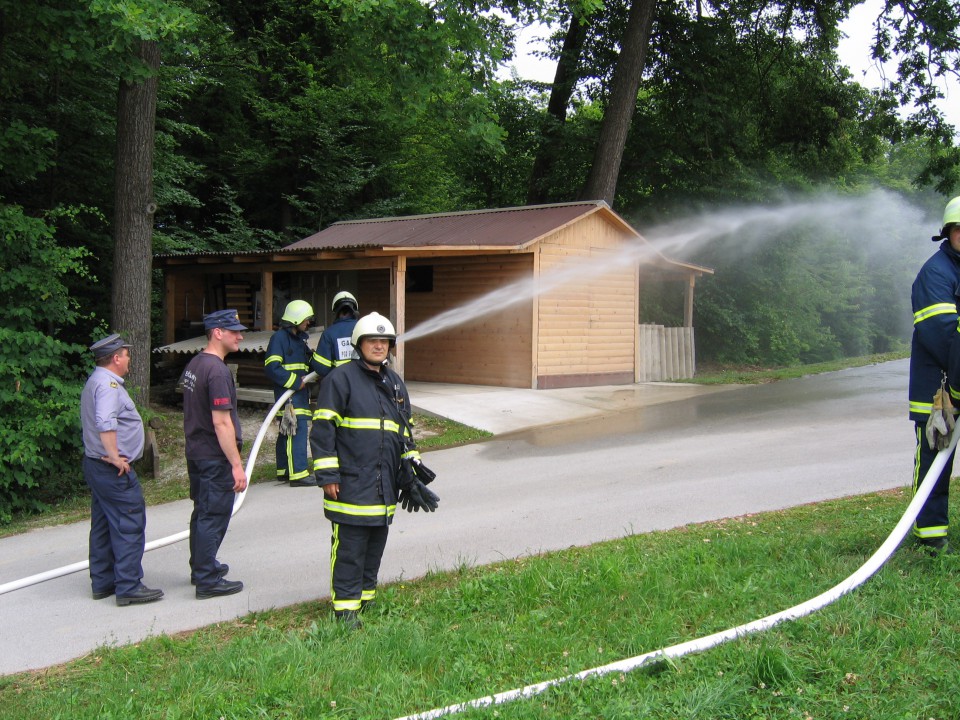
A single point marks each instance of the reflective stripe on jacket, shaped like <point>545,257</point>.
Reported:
<point>358,438</point>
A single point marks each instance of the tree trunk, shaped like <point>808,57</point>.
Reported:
<point>563,83</point>
<point>602,181</point>
<point>133,218</point>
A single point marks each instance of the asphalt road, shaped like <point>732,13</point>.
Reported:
<point>720,454</point>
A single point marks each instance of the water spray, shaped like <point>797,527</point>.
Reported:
<point>170,539</point>
<point>860,576</point>
<point>855,217</point>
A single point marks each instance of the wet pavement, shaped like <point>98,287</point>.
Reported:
<point>600,471</point>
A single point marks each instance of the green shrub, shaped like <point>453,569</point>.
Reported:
<point>42,374</point>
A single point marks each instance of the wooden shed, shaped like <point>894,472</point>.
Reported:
<point>539,296</point>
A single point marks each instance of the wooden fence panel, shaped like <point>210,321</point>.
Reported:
<point>665,353</point>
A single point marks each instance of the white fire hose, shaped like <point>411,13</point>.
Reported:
<point>871,566</point>
<point>170,539</point>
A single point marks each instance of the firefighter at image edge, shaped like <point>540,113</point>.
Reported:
<point>935,360</point>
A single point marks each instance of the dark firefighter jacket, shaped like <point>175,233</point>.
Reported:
<point>288,359</point>
<point>359,434</point>
<point>935,348</point>
<point>335,346</point>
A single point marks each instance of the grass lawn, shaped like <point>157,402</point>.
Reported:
<point>889,650</point>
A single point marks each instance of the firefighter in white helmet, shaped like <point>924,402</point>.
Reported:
<point>335,346</point>
<point>935,365</point>
<point>363,450</point>
<point>289,359</point>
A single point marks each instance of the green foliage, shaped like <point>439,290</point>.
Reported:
<point>39,397</point>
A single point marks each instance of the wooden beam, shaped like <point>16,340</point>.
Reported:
<point>688,301</point>
<point>169,308</point>
<point>398,306</point>
<point>266,290</point>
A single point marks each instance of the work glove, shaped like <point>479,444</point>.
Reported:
<point>288,423</point>
<point>417,496</point>
<point>941,421</point>
<point>423,473</point>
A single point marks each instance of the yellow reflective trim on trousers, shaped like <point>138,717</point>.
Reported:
<point>272,358</point>
<point>916,459</point>
<point>334,546</point>
<point>331,415</point>
<point>368,595</point>
<point>327,463</point>
<point>340,605</point>
<point>933,310</point>
<point>930,532</point>
<point>288,447</point>
<point>358,510</point>
<point>370,424</point>
<point>302,411</point>
<point>922,408</point>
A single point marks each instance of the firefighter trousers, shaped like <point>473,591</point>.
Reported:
<point>355,554</point>
<point>933,520</point>
<point>292,463</point>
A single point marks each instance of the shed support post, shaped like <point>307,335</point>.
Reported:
<point>266,292</point>
<point>398,305</point>
<point>688,301</point>
<point>169,307</point>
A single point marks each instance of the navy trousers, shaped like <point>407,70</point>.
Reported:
<point>211,489</point>
<point>118,520</point>
<point>292,463</point>
<point>933,519</point>
<point>356,551</point>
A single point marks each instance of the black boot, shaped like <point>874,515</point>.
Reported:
<point>936,546</point>
<point>349,618</point>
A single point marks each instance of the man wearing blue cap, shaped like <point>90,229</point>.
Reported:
<point>112,440</point>
<point>213,441</point>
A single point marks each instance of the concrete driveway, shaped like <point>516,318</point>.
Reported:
<point>582,467</point>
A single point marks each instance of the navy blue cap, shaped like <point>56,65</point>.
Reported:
<point>108,346</point>
<point>224,319</point>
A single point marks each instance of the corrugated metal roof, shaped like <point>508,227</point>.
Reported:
<point>252,342</point>
<point>499,228</point>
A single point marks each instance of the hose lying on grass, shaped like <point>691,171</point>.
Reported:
<point>170,539</point>
<point>860,576</point>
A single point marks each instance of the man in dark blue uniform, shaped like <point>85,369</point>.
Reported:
<point>288,360</point>
<point>112,440</point>
<point>212,431</point>
<point>935,359</point>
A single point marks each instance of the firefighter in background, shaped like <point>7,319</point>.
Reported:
<point>363,454</point>
<point>336,346</point>
<point>288,360</point>
<point>934,363</point>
